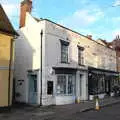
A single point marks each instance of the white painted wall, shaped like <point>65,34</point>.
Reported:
<point>53,34</point>
<point>95,54</point>
<point>27,54</point>
<point>28,57</point>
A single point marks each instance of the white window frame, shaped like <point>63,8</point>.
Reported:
<point>80,56</point>
<point>73,85</point>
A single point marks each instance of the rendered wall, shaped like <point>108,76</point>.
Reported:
<point>5,43</point>
<point>95,54</point>
<point>27,55</point>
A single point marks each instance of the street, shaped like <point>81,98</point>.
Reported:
<point>111,112</point>
<point>107,113</point>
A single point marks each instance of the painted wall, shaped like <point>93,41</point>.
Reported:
<point>95,54</point>
<point>53,35</point>
<point>27,55</point>
<point>5,43</point>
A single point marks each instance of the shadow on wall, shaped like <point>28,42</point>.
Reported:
<point>23,62</point>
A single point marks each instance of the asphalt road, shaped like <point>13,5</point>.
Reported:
<point>107,113</point>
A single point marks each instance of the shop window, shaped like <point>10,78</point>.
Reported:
<point>50,87</point>
<point>101,84</point>
<point>65,85</point>
<point>61,84</point>
<point>96,84</point>
<point>70,85</point>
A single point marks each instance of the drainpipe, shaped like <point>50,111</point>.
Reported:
<point>41,34</point>
<point>9,75</point>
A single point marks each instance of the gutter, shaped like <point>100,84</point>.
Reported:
<point>10,64</point>
<point>41,34</point>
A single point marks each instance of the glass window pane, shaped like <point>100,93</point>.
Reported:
<point>61,85</point>
<point>49,87</point>
<point>64,53</point>
<point>70,85</point>
<point>80,56</point>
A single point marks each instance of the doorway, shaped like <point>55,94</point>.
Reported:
<point>107,87</point>
<point>33,88</point>
<point>81,87</point>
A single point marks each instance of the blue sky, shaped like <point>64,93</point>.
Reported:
<point>96,17</point>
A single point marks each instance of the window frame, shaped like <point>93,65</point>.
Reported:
<point>80,55</point>
<point>48,88</point>
<point>66,88</point>
<point>64,51</point>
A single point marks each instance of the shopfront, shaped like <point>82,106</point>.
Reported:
<point>101,82</point>
<point>70,86</point>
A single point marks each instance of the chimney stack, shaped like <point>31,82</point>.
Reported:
<point>89,37</point>
<point>26,6</point>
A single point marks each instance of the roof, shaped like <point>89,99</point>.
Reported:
<point>41,19</point>
<point>26,1</point>
<point>5,25</point>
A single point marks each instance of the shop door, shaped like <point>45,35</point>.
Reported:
<point>81,87</point>
<point>107,87</point>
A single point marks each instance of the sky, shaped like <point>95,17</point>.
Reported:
<point>99,18</point>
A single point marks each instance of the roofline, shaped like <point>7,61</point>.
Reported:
<point>9,33</point>
<point>14,31</point>
<point>74,32</point>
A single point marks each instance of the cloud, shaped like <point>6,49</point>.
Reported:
<point>116,19</point>
<point>11,9</point>
<point>116,3</point>
<point>82,18</point>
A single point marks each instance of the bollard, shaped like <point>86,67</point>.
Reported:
<point>97,107</point>
<point>78,100</point>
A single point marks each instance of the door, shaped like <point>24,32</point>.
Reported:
<point>107,86</point>
<point>81,86</point>
<point>33,89</point>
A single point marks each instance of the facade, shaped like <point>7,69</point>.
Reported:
<point>115,44</point>
<point>60,76</point>
<point>54,65</point>
<point>104,76</point>
<point>7,34</point>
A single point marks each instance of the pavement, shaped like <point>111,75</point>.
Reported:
<point>22,112</point>
<point>88,105</point>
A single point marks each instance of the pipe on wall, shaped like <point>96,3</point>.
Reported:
<point>10,64</point>
<point>41,34</point>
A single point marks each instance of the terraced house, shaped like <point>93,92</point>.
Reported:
<point>56,65</point>
<point>7,34</point>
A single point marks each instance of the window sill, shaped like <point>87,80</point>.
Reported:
<point>65,62</point>
<point>65,95</point>
<point>81,64</point>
